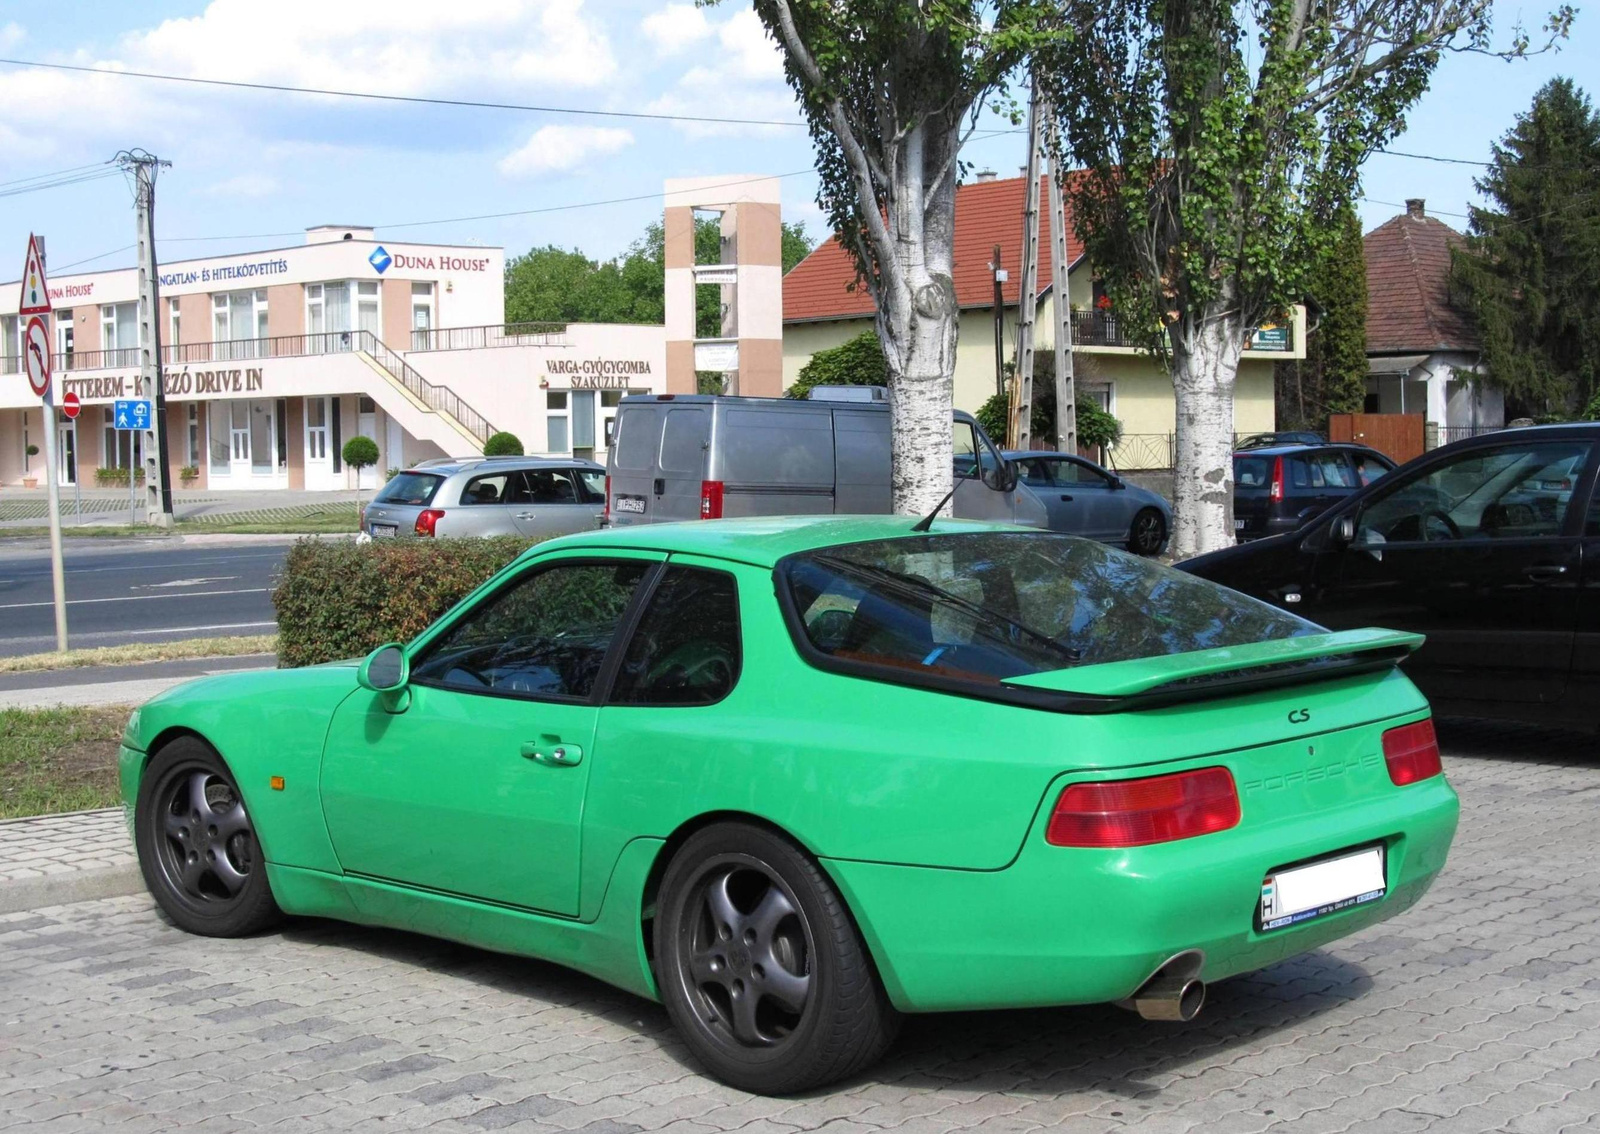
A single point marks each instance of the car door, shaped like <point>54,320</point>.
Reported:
<point>1104,505</point>
<point>1319,479</point>
<point>553,501</point>
<point>1473,551</point>
<point>486,507</point>
<point>1066,511</point>
<point>472,782</point>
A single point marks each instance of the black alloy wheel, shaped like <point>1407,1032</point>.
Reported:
<point>197,848</point>
<point>762,968</point>
<point>1148,532</point>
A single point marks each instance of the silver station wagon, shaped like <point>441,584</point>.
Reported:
<point>489,496</point>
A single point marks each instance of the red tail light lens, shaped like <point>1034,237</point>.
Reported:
<point>711,500</point>
<point>1136,813</point>
<point>1412,753</point>
<point>605,513</point>
<point>1277,478</point>
<point>427,520</point>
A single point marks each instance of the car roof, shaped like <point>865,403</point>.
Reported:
<point>761,541</point>
<point>1021,454</point>
<point>472,464</point>
<point>1299,447</point>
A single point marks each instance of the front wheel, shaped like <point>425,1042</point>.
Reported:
<point>1148,532</point>
<point>761,967</point>
<point>197,847</point>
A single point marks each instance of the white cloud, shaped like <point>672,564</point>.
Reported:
<point>11,34</point>
<point>676,28</point>
<point>563,149</point>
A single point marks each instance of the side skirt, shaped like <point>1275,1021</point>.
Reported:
<point>610,948</point>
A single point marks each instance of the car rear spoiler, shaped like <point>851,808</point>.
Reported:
<point>1223,671</point>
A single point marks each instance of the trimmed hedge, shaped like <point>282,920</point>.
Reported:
<point>341,599</point>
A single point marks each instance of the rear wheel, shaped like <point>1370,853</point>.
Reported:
<point>761,967</point>
<point>197,847</point>
<point>1148,532</point>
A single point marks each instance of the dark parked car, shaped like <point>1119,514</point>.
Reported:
<point>1280,487</point>
<point>1489,546</point>
<point>1288,437</point>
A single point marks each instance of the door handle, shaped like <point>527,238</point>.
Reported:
<point>1545,572</point>
<point>660,486</point>
<point>1065,499</point>
<point>555,754</point>
<point>526,516</point>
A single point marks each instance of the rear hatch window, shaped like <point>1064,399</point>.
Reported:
<point>1252,475</point>
<point>412,488</point>
<point>986,606</point>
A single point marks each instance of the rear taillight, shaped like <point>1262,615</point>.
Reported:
<point>605,513</point>
<point>711,500</point>
<point>1135,813</point>
<point>1412,752</point>
<point>427,520</point>
<point>1277,478</point>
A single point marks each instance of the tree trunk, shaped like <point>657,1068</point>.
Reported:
<point>1205,365</point>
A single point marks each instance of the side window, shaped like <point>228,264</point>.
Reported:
<point>686,650</point>
<point>552,486</point>
<point>488,489</point>
<point>964,448</point>
<point>1368,468</point>
<point>1082,475</point>
<point>592,483</point>
<point>1500,493</point>
<point>1040,472</point>
<point>544,635</point>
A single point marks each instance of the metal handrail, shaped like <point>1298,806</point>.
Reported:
<point>436,397</point>
<point>96,359</point>
<point>490,335</point>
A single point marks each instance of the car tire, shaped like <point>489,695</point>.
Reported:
<point>761,966</point>
<point>197,847</point>
<point>1148,532</point>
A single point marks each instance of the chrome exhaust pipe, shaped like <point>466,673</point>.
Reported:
<point>1175,1000</point>
<point>1174,992</point>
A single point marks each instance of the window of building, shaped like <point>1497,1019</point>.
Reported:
<point>239,320</point>
<point>194,435</point>
<point>328,311</point>
<point>555,408</point>
<point>421,315</point>
<point>175,330</point>
<point>220,428</point>
<point>10,345</point>
<point>120,448</point>
<point>119,329</point>
<point>64,336</point>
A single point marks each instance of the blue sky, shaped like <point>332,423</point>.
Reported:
<point>257,168</point>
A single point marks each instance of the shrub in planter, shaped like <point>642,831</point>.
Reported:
<point>189,472</point>
<point>339,599</point>
<point>503,444</point>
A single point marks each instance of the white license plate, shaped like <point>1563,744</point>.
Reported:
<point>1301,893</point>
<point>1238,525</point>
<point>634,504</point>
<point>383,531</point>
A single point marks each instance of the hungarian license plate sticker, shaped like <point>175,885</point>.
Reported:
<point>1303,893</point>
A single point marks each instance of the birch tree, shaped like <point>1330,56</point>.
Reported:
<point>890,90</point>
<point>1218,137</point>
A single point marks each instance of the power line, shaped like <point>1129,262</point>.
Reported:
<point>285,88</point>
<point>56,173</point>
<point>61,182</point>
<point>59,268</point>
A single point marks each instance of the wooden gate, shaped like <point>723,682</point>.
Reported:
<point>1398,436</point>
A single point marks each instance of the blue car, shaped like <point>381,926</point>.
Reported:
<point>1084,499</point>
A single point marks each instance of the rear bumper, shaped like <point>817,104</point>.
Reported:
<point>1072,926</point>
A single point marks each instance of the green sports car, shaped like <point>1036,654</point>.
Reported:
<point>796,777</point>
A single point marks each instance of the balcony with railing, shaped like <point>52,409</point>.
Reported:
<point>1091,329</point>
<point>500,335</point>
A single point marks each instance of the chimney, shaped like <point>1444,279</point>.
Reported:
<point>985,175</point>
<point>1414,207</point>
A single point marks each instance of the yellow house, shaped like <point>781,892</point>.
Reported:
<point>822,309</point>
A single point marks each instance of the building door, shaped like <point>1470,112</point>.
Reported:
<point>421,316</point>
<point>239,440</point>
<point>367,426</point>
<point>319,454</point>
<point>66,452</point>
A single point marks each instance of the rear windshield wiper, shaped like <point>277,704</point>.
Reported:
<point>919,585</point>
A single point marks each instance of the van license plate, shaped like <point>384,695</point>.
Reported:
<point>1301,893</point>
<point>634,504</point>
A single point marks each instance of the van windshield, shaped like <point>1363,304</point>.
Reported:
<point>409,488</point>
<point>987,606</point>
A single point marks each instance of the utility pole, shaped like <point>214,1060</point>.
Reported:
<point>999,324</point>
<point>1066,387</point>
<point>1019,433</point>
<point>157,491</point>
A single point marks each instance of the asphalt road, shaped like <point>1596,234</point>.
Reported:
<point>128,591</point>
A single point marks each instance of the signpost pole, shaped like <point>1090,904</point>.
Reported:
<point>34,308</point>
<point>77,481</point>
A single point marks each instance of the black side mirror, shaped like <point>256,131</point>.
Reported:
<point>1342,532</point>
<point>1118,482</point>
<point>1004,478</point>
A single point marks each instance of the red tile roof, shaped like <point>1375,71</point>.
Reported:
<point>987,213</point>
<point>1408,273</point>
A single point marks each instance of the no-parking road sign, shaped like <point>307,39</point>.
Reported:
<point>36,354</point>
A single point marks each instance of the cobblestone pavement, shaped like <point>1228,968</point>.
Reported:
<point>1478,1010</point>
<point>59,858</point>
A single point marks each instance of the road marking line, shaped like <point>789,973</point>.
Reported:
<point>196,629</point>
<point>140,598</point>
<point>200,582</point>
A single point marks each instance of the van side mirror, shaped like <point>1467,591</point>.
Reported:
<point>1004,478</point>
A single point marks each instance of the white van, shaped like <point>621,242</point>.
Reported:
<point>702,457</point>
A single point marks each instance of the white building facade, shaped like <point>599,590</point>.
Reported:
<point>272,360</point>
